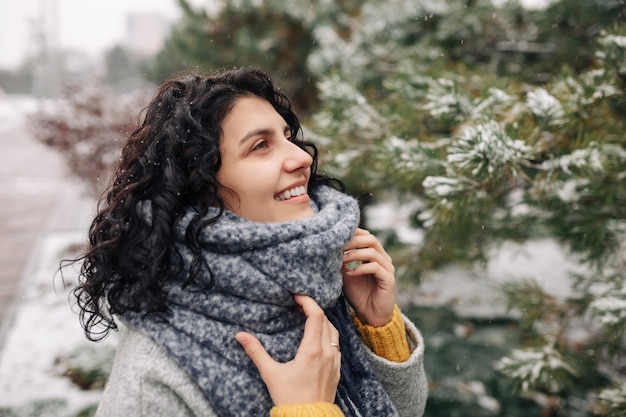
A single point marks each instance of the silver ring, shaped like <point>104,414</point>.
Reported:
<point>333,344</point>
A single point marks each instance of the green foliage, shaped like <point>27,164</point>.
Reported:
<point>551,362</point>
<point>123,68</point>
<point>495,152</point>
<point>541,369</point>
<point>459,365</point>
<point>485,158</point>
<point>268,34</point>
<point>88,366</point>
<point>613,401</point>
<point>534,304</point>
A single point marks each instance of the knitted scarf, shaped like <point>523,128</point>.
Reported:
<point>257,268</point>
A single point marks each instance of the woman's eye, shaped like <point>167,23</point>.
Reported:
<point>261,145</point>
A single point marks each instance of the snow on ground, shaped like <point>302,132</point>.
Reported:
<point>13,110</point>
<point>44,328</point>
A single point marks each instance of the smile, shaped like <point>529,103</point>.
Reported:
<point>294,192</point>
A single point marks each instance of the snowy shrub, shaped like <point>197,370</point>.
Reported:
<point>444,102</point>
<point>88,127</point>
<point>493,159</point>
<point>614,400</point>
<point>545,107</point>
<point>443,187</point>
<point>486,149</point>
<point>614,52</point>
<point>537,369</point>
<point>581,159</point>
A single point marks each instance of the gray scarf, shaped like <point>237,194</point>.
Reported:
<point>257,268</point>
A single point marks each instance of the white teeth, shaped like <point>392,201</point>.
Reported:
<point>294,192</point>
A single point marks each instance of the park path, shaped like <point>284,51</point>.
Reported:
<point>37,197</point>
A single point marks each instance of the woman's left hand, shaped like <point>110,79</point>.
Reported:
<point>370,286</point>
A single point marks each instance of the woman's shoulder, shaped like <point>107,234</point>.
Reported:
<point>142,358</point>
<point>147,381</point>
<point>141,347</point>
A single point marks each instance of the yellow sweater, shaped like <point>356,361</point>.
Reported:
<point>388,341</point>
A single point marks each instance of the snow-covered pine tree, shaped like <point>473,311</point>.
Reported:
<point>494,157</point>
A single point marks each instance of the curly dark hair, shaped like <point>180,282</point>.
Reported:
<point>171,159</point>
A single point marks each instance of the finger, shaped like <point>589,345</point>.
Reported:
<point>318,330</point>
<point>255,351</point>
<point>357,233</point>
<point>383,277</point>
<point>363,253</point>
<point>368,255</point>
<point>309,306</point>
<point>314,325</point>
<point>366,240</point>
<point>334,336</point>
<point>331,348</point>
<point>329,339</point>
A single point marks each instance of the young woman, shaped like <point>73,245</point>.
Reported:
<point>225,256</point>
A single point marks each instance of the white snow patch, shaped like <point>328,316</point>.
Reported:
<point>392,215</point>
<point>43,329</point>
<point>14,109</point>
<point>476,292</point>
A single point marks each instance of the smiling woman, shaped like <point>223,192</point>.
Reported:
<point>225,256</point>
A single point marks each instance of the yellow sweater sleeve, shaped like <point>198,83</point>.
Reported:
<point>307,410</point>
<point>388,341</point>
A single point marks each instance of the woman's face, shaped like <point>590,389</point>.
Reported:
<point>266,171</point>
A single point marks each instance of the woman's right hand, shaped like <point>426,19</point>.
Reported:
<point>313,374</point>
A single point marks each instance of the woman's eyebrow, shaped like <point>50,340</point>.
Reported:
<point>255,132</point>
<point>261,132</point>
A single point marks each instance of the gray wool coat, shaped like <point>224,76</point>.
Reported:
<point>146,382</point>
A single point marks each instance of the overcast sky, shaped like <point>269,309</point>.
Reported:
<point>91,25</point>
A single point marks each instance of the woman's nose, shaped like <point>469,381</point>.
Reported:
<point>296,158</point>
